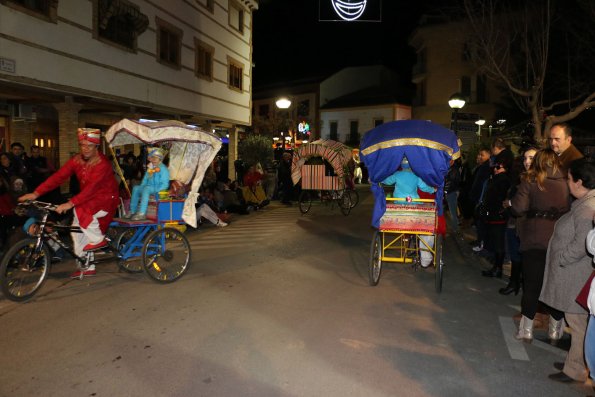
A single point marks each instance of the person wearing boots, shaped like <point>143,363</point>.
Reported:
<point>541,198</point>
<point>568,265</point>
<point>512,236</point>
<point>155,180</point>
<point>494,216</point>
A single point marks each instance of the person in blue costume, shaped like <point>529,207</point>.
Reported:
<point>155,180</point>
<point>406,185</point>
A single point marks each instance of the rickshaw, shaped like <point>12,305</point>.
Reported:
<point>156,245</point>
<point>402,222</point>
<point>322,167</point>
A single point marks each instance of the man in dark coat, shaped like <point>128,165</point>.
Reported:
<point>561,142</point>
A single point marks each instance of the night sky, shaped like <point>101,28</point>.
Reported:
<point>290,43</point>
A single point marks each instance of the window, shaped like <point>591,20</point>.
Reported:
<point>303,108</point>
<point>236,74</point>
<point>353,131</point>
<point>482,93</point>
<point>44,9</point>
<point>118,22</point>
<point>378,122</point>
<point>208,4</point>
<point>204,60</point>
<point>263,110</point>
<point>334,128</point>
<point>169,44</point>
<point>236,16</point>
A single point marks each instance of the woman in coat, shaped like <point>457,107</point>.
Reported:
<point>568,265</point>
<point>542,197</point>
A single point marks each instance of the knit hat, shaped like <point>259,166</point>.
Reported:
<point>92,135</point>
<point>156,152</point>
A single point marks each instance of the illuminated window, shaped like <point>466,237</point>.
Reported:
<point>169,44</point>
<point>236,74</point>
<point>204,60</point>
<point>236,16</point>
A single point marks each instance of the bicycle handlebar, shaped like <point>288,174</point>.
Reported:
<point>39,204</point>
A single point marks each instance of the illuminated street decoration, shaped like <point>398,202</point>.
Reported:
<point>304,128</point>
<point>349,10</point>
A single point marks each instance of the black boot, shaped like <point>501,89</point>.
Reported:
<point>514,284</point>
<point>496,270</point>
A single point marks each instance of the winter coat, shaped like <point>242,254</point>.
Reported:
<point>495,194</point>
<point>540,208</point>
<point>568,263</point>
<point>568,156</point>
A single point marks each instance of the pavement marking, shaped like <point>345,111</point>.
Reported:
<point>549,348</point>
<point>516,349</point>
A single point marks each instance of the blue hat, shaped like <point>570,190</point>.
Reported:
<point>28,224</point>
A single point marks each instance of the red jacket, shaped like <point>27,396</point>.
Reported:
<point>99,188</point>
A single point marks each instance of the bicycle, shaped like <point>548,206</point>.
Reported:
<point>26,264</point>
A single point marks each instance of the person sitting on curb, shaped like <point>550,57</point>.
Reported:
<point>155,180</point>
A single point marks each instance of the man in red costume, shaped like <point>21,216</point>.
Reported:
<point>96,204</point>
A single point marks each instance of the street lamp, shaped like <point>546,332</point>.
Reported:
<point>456,102</point>
<point>283,103</point>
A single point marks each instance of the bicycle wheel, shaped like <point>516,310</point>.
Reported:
<point>305,201</point>
<point>344,201</point>
<point>133,263</point>
<point>166,255</point>
<point>375,265</point>
<point>23,270</point>
<point>354,196</point>
<point>438,263</point>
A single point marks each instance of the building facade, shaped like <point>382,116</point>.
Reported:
<point>443,69</point>
<point>66,64</point>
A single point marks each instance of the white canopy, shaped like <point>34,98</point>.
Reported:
<point>192,151</point>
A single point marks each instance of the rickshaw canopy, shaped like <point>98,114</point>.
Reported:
<point>429,148</point>
<point>191,151</point>
<point>336,153</point>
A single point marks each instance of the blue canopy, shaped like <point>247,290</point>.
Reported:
<point>429,148</point>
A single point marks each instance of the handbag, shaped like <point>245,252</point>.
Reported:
<point>583,296</point>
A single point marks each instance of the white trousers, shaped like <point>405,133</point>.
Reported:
<point>206,212</point>
<point>426,255</point>
<point>91,234</point>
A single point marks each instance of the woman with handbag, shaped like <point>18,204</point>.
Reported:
<point>541,198</point>
<point>568,265</point>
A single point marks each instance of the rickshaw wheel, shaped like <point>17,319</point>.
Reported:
<point>305,201</point>
<point>375,266</point>
<point>345,202</point>
<point>438,264</point>
<point>166,255</point>
<point>132,264</point>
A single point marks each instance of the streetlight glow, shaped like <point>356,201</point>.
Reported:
<point>283,103</point>
<point>456,101</point>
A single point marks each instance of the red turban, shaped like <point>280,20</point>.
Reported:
<point>92,135</point>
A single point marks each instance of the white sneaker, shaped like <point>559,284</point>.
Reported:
<point>220,223</point>
<point>478,248</point>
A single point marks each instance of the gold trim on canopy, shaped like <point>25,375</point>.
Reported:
<point>410,142</point>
